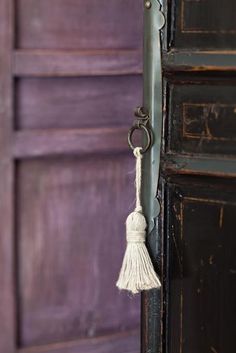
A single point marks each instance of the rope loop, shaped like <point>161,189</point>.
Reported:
<point>138,152</point>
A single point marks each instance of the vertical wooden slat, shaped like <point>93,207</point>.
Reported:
<point>7,322</point>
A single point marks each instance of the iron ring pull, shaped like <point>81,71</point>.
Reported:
<point>141,123</point>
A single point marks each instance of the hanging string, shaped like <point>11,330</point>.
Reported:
<point>138,179</point>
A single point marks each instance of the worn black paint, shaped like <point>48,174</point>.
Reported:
<point>201,116</point>
<point>196,263</point>
<point>203,24</point>
<point>201,265</point>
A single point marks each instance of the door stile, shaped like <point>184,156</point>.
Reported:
<point>7,312</point>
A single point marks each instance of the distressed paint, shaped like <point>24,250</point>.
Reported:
<point>65,110</point>
<point>201,265</point>
<point>198,170</point>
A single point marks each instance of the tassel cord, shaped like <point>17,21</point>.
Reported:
<point>138,180</point>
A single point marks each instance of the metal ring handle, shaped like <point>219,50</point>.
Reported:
<point>147,133</point>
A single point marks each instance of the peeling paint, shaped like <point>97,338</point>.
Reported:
<point>177,252</point>
<point>211,260</point>
<point>206,115</point>
<point>232,271</point>
<point>213,350</point>
<point>221,216</point>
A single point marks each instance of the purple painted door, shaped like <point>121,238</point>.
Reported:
<point>70,75</point>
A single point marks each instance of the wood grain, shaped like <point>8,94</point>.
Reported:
<point>38,143</point>
<point>75,24</point>
<point>70,221</point>
<point>127,342</point>
<point>77,63</point>
<point>79,102</point>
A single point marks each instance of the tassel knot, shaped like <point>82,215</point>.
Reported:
<point>135,237</point>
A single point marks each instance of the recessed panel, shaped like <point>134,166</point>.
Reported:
<point>43,103</point>
<point>70,220</point>
<point>202,282</point>
<point>204,24</point>
<point>77,24</point>
<point>202,118</point>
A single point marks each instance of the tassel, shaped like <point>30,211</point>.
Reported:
<point>137,272</point>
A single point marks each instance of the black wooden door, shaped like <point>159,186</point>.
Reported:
<point>194,243</point>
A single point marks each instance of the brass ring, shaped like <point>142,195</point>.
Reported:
<point>147,133</point>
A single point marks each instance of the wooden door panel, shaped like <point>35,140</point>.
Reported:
<point>201,24</point>
<point>78,102</point>
<point>201,117</point>
<point>75,24</point>
<point>65,173</point>
<point>66,241</point>
<point>201,273</point>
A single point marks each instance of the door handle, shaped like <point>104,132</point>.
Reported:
<point>154,21</point>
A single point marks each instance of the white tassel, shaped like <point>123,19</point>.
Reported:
<point>137,272</point>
